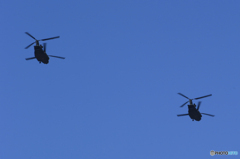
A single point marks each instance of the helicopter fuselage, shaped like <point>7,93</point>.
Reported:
<point>194,114</point>
<point>40,55</point>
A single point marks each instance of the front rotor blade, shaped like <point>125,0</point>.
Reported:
<point>208,114</point>
<point>30,35</point>
<point>184,104</point>
<point>182,114</point>
<point>203,96</point>
<point>57,56</point>
<point>199,103</point>
<point>50,38</point>
<point>183,95</point>
<point>29,45</point>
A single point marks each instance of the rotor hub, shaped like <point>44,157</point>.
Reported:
<point>190,101</point>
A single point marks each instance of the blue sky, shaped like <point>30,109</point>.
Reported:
<point>115,94</point>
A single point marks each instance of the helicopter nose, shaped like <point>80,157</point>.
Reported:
<point>45,61</point>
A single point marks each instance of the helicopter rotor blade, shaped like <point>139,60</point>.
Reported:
<point>29,45</point>
<point>208,114</point>
<point>182,114</point>
<point>50,38</point>
<point>199,103</point>
<point>30,58</point>
<point>183,95</point>
<point>57,56</point>
<point>203,96</point>
<point>184,104</point>
<point>30,35</point>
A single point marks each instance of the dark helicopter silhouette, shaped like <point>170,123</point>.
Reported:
<point>193,112</point>
<point>40,51</point>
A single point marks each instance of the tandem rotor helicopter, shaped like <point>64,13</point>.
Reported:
<point>193,112</point>
<point>40,51</point>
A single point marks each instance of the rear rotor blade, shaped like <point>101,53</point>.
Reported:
<point>182,114</point>
<point>57,56</point>
<point>203,96</point>
<point>29,45</point>
<point>184,104</point>
<point>50,38</point>
<point>30,35</point>
<point>30,58</point>
<point>208,114</point>
<point>183,95</point>
<point>199,103</point>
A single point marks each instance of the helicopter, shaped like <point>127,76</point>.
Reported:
<point>193,112</point>
<point>40,51</point>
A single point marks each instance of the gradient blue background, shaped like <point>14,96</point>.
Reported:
<point>115,94</point>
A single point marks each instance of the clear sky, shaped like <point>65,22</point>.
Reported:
<point>115,94</point>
